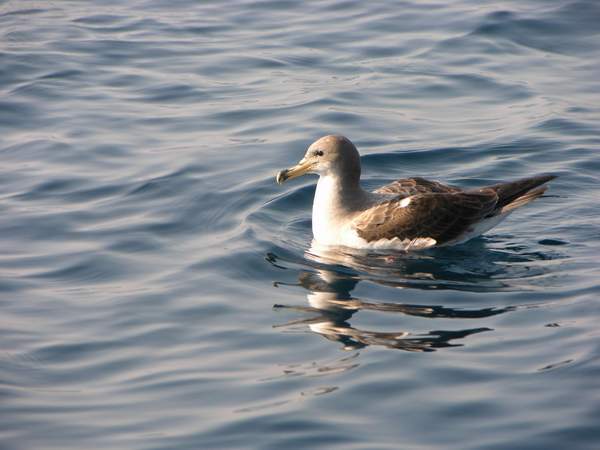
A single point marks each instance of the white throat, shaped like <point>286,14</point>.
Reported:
<point>333,202</point>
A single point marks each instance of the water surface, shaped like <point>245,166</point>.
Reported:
<point>158,290</point>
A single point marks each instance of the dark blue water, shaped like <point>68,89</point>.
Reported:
<point>158,289</point>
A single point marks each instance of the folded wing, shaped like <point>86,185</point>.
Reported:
<point>443,216</point>
<point>412,186</point>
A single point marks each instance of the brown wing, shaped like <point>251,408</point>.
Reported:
<point>440,216</point>
<point>412,186</point>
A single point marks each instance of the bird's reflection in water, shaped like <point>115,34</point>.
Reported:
<point>331,305</point>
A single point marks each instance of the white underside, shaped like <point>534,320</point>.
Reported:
<point>479,228</point>
<point>350,238</point>
<point>345,235</point>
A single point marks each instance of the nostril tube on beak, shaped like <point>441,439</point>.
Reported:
<point>281,176</point>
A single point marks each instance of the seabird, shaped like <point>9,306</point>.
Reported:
<point>407,214</point>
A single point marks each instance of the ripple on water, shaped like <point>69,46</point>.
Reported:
<point>159,290</point>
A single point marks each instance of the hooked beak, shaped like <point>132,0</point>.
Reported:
<point>299,169</point>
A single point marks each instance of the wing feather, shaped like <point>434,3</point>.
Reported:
<point>412,186</point>
<point>440,216</point>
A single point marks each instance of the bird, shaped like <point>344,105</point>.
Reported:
<point>407,214</point>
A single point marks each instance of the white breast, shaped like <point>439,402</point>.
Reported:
<point>326,215</point>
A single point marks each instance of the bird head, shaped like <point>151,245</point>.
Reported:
<point>329,155</point>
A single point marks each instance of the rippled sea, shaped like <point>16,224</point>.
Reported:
<point>158,290</point>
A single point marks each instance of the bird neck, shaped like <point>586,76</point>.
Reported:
<point>335,199</point>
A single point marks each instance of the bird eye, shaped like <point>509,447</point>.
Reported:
<point>318,153</point>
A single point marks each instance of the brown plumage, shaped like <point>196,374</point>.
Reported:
<point>441,212</point>
<point>417,185</point>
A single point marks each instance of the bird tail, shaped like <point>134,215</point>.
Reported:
<point>517,193</point>
<point>523,199</point>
